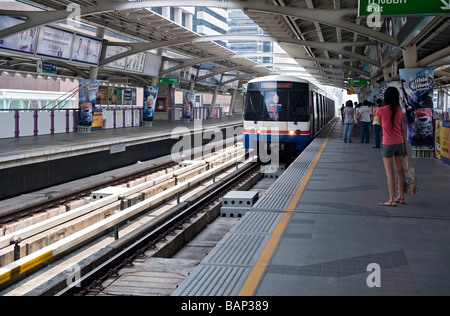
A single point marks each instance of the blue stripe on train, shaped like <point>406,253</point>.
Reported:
<point>302,141</point>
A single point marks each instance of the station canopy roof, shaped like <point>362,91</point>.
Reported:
<point>325,37</point>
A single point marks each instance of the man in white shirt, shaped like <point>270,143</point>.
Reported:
<point>364,115</point>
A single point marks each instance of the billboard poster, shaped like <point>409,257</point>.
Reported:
<point>99,121</point>
<point>127,97</point>
<point>114,96</point>
<point>150,97</point>
<point>24,41</point>
<point>88,89</point>
<point>54,42</point>
<point>442,141</point>
<point>102,95</point>
<point>135,62</point>
<point>115,50</point>
<point>417,85</point>
<point>188,103</point>
<point>86,50</point>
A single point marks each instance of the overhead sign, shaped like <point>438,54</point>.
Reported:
<point>45,67</point>
<point>169,80</point>
<point>388,8</point>
<point>359,82</point>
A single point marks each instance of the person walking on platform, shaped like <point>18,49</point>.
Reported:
<point>364,114</point>
<point>394,144</point>
<point>377,124</point>
<point>349,121</point>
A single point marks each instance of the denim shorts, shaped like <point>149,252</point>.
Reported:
<point>390,151</point>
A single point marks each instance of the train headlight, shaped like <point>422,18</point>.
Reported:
<point>292,132</point>
<point>253,131</point>
<point>298,132</point>
<point>258,131</point>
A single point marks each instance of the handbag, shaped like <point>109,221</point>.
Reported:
<point>411,186</point>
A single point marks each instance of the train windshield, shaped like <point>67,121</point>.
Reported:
<point>277,102</point>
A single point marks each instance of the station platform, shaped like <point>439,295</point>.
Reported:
<point>319,229</point>
<point>31,163</point>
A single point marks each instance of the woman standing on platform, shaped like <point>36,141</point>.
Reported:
<point>349,121</point>
<point>377,124</point>
<point>394,144</point>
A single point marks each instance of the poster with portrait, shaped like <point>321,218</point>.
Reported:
<point>86,50</point>
<point>150,98</point>
<point>188,103</point>
<point>417,85</point>
<point>114,96</point>
<point>24,41</point>
<point>115,50</point>
<point>102,95</point>
<point>87,94</point>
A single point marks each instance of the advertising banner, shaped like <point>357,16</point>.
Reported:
<point>114,96</point>
<point>102,95</point>
<point>150,97</point>
<point>188,103</point>
<point>86,50</point>
<point>442,141</point>
<point>417,85</point>
<point>55,42</point>
<point>99,121</point>
<point>88,89</point>
<point>24,41</point>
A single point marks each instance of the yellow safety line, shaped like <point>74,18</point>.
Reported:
<point>12,270</point>
<point>257,271</point>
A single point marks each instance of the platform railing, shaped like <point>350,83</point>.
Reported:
<point>19,123</point>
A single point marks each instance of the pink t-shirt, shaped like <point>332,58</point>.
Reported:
<point>392,135</point>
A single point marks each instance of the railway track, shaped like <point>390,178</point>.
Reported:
<point>174,219</point>
<point>122,211</point>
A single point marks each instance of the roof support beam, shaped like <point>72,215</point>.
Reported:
<point>329,17</point>
<point>334,47</point>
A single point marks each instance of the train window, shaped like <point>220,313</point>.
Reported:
<point>253,109</point>
<point>299,106</point>
<point>276,105</point>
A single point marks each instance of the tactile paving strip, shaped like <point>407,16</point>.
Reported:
<point>208,280</point>
<point>237,249</point>
<point>257,222</point>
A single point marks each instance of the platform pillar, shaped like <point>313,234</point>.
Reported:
<point>387,74</point>
<point>214,100</point>
<point>233,100</point>
<point>410,56</point>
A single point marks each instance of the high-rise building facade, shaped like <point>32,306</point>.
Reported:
<point>240,23</point>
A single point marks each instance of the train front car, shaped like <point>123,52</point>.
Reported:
<point>277,110</point>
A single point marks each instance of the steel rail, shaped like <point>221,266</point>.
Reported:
<point>95,277</point>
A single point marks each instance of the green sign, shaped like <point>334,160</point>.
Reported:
<point>403,7</point>
<point>169,80</point>
<point>359,82</point>
<point>242,91</point>
<point>45,67</point>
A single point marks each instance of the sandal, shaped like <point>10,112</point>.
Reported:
<point>400,201</point>
<point>389,203</point>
